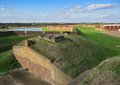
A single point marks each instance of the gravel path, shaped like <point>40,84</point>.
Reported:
<point>113,33</point>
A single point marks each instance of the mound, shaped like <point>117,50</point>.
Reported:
<point>106,73</point>
<point>73,55</point>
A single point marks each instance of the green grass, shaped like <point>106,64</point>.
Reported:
<point>12,38</point>
<point>110,64</point>
<point>47,30</point>
<point>100,38</point>
<point>74,55</point>
<point>106,71</point>
<point>79,53</point>
<point>7,60</point>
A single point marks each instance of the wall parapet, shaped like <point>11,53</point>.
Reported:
<point>39,65</point>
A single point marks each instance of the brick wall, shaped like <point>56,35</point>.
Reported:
<point>60,28</point>
<point>108,27</point>
<point>39,65</point>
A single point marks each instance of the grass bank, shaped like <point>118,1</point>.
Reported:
<point>7,60</point>
<point>73,55</point>
<point>100,38</point>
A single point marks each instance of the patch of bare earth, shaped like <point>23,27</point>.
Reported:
<point>113,33</point>
<point>21,77</point>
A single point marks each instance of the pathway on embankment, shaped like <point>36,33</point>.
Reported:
<point>113,33</point>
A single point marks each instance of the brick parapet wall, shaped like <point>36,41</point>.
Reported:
<point>61,28</point>
<point>39,65</point>
<point>108,27</point>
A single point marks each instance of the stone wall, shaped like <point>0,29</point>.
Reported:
<point>39,65</point>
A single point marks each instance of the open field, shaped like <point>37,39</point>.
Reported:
<point>7,60</point>
<point>47,30</point>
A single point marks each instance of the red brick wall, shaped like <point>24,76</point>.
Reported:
<point>40,66</point>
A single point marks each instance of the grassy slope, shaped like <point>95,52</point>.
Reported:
<point>7,61</point>
<point>73,55</point>
<point>106,73</point>
<point>109,69</point>
<point>100,38</point>
<point>79,53</point>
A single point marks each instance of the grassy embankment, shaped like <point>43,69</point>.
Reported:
<point>108,71</point>
<point>47,30</point>
<point>100,38</point>
<point>7,60</point>
<point>78,53</point>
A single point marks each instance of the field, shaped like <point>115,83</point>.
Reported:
<point>7,60</point>
<point>47,30</point>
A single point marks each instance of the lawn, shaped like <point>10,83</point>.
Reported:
<point>47,30</point>
<point>7,60</point>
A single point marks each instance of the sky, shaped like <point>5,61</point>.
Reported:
<point>59,11</point>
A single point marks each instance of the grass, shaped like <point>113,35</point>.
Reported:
<point>47,30</point>
<point>7,60</point>
<point>74,55</point>
<point>110,64</point>
<point>79,53</point>
<point>107,71</point>
<point>100,38</point>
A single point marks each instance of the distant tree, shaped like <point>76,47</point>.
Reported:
<point>4,27</point>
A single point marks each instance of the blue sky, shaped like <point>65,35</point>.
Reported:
<point>59,10</point>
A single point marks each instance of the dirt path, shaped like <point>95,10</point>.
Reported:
<point>113,33</point>
<point>21,78</point>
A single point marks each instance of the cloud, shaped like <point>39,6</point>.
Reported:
<point>85,9</point>
<point>77,7</point>
<point>69,13</point>
<point>7,15</point>
<point>100,6</point>
<point>70,10</point>
<point>2,8</point>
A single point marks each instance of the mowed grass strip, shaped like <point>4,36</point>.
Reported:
<point>12,38</point>
<point>96,36</point>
